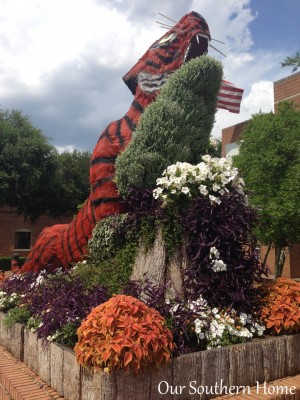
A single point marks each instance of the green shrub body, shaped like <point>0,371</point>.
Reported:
<point>176,127</point>
<point>5,263</point>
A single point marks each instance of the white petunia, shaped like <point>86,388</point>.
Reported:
<point>203,190</point>
<point>218,266</point>
<point>185,190</point>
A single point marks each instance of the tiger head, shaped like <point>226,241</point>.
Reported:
<point>186,40</point>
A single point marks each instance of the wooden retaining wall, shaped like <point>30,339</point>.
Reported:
<point>262,360</point>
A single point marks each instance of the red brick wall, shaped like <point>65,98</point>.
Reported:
<point>271,262</point>
<point>287,89</point>
<point>295,261</point>
<point>10,221</point>
<point>232,134</point>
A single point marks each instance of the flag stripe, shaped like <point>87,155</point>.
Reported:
<point>230,97</point>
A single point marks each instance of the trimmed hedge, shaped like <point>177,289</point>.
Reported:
<point>5,263</point>
<point>176,127</point>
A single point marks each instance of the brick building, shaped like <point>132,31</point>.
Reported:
<point>284,89</point>
<point>287,89</point>
<point>18,235</point>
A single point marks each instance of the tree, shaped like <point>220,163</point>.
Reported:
<point>292,62</point>
<point>72,177</point>
<point>27,164</point>
<point>269,161</point>
<point>34,178</point>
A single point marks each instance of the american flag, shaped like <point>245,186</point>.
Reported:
<point>230,97</point>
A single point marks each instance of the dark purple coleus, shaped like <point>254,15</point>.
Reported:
<point>229,228</point>
<point>62,300</point>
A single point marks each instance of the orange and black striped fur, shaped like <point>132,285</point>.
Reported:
<point>66,244</point>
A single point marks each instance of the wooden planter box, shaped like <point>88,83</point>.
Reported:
<point>262,360</point>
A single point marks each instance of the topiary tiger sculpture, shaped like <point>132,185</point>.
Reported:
<point>62,245</point>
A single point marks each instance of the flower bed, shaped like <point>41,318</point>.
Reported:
<point>244,364</point>
<point>176,276</point>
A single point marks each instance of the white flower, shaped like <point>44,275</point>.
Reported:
<point>201,335</point>
<point>214,199</point>
<point>214,253</point>
<point>218,265</point>
<point>243,318</point>
<point>244,332</point>
<point>185,190</point>
<point>203,190</point>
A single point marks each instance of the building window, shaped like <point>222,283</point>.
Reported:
<point>23,239</point>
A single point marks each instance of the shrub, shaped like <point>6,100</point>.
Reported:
<point>112,273</point>
<point>18,314</point>
<point>281,310</point>
<point>59,301</point>
<point>8,301</point>
<point>26,282</point>
<point>112,252</point>
<point>123,333</point>
<point>5,263</point>
<point>176,127</point>
<point>109,235</point>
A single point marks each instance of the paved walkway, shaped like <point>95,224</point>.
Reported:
<point>18,382</point>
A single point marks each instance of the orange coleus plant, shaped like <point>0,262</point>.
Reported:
<point>123,333</point>
<point>281,311</point>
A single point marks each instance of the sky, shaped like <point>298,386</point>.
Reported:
<point>62,61</point>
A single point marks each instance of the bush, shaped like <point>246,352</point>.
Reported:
<point>21,283</point>
<point>112,273</point>
<point>112,251</point>
<point>281,311</point>
<point>5,263</point>
<point>109,235</point>
<point>123,333</point>
<point>59,301</point>
<point>18,314</point>
<point>176,127</point>
<point>8,301</point>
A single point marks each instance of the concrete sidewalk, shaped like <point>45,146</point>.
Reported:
<point>18,382</point>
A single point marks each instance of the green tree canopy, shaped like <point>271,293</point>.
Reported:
<point>292,62</point>
<point>34,178</point>
<point>269,162</point>
<point>72,178</point>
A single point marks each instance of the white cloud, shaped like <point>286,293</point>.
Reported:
<point>62,149</point>
<point>260,98</point>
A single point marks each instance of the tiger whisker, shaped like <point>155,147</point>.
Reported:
<point>170,19</point>
<point>219,41</point>
<point>176,30</point>
<point>162,23</point>
<point>165,26</point>
<point>170,27</point>
<point>217,50</point>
